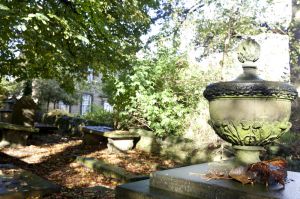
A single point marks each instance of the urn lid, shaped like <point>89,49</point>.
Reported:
<point>249,84</point>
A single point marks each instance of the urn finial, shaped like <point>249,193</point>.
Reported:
<point>248,52</point>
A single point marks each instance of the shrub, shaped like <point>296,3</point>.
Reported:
<point>99,116</point>
<point>52,116</point>
<point>160,93</point>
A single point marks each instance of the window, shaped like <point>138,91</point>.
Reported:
<point>107,106</point>
<point>90,76</point>
<point>63,106</point>
<point>86,103</point>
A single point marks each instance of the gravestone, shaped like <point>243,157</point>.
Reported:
<point>6,109</point>
<point>189,183</point>
<point>24,112</point>
<point>17,183</point>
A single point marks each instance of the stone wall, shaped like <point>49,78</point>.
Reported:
<point>181,149</point>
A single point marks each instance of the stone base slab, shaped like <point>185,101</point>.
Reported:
<point>142,190</point>
<point>189,182</point>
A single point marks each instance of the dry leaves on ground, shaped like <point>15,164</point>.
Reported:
<point>52,157</point>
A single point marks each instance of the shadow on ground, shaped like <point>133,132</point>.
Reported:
<point>57,166</point>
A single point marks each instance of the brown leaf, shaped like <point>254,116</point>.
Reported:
<point>241,174</point>
<point>270,171</point>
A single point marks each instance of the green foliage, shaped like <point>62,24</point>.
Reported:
<point>289,138</point>
<point>52,116</point>
<point>217,24</point>
<point>162,92</point>
<point>228,22</point>
<point>295,44</point>
<point>62,38</point>
<point>27,91</point>
<point>158,93</point>
<point>49,90</point>
<point>99,115</point>
<point>10,87</point>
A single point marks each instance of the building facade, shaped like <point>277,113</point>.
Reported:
<point>90,95</point>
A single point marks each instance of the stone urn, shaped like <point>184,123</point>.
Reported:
<point>249,112</point>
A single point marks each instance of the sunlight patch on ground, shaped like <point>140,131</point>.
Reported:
<point>37,154</point>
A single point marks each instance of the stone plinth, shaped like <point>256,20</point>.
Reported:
<point>94,135</point>
<point>117,140</point>
<point>187,182</point>
<point>120,140</point>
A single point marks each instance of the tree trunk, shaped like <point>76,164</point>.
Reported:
<point>295,66</point>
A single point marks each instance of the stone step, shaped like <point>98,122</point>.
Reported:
<point>17,183</point>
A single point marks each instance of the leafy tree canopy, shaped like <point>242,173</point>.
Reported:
<point>63,38</point>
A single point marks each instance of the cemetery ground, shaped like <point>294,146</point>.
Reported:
<point>53,157</point>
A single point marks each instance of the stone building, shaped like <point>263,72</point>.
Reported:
<point>89,96</point>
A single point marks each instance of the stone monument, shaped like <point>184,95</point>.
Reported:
<point>247,112</point>
<point>6,109</point>
<point>24,112</point>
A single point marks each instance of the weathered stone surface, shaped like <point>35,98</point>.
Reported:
<point>96,129</point>
<point>93,139</point>
<point>5,116</point>
<point>186,182</point>
<point>124,144</point>
<point>180,149</point>
<point>24,111</point>
<point>17,183</point>
<point>109,170</point>
<point>17,127</point>
<point>6,107</point>
<point>93,135</point>
<point>45,128</point>
<point>14,135</point>
<point>118,134</point>
<point>147,142</point>
<point>142,190</point>
<point>121,140</point>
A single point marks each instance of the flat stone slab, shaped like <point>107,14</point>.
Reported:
<point>18,183</point>
<point>93,135</point>
<point>142,190</point>
<point>188,181</point>
<point>117,134</point>
<point>109,132</point>
<point>18,128</point>
<point>96,129</point>
<point>45,127</point>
